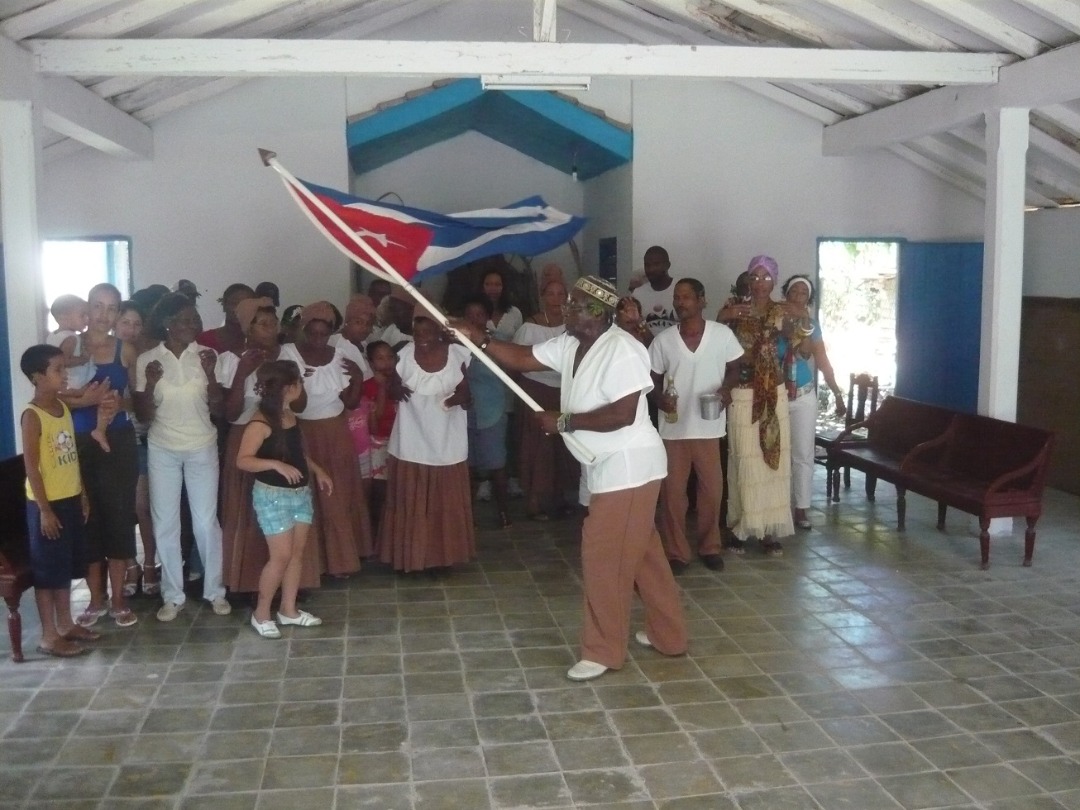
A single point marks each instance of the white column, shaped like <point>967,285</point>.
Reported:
<point>1003,261</point>
<point>20,162</point>
<point>1003,269</point>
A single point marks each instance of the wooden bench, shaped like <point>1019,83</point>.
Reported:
<point>896,428</point>
<point>15,574</point>
<point>986,467</point>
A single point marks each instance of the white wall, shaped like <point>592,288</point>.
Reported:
<point>721,175</point>
<point>609,207</point>
<point>1052,253</point>
<point>204,207</point>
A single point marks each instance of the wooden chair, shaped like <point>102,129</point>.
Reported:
<point>15,574</point>
<point>862,400</point>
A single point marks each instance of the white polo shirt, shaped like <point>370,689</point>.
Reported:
<point>182,419</point>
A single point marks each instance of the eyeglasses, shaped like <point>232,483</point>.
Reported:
<point>761,278</point>
<point>573,306</point>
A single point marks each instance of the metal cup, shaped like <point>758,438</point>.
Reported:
<point>711,406</point>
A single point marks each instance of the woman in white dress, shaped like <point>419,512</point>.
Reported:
<point>427,523</point>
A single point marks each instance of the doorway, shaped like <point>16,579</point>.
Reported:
<point>857,284</point>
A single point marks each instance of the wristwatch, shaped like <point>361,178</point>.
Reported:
<point>562,424</point>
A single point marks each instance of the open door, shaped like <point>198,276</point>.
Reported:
<point>938,323</point>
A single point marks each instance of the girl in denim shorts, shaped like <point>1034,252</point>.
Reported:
<point>272,449</point>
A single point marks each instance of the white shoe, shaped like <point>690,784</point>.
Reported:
<point>642,638</point>
<point>301,619</point>
<point>169,611</point>
<point>513,488</point>
<point>483,492</point>
<point>265,629</point>
<point>221,606</point>
<point>585,670</point>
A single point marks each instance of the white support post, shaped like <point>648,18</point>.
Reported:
<point>20,162</point>
<point>1003,268</point>
<point>1003,261</point>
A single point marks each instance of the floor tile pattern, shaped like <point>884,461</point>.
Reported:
<point>864,669</point>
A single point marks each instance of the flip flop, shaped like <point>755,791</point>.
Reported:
<point>79,633</point>
<point>63,652</point>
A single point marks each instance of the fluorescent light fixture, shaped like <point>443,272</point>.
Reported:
<point>519,81</point>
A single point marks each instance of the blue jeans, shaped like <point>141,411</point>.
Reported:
<point>198,470</point>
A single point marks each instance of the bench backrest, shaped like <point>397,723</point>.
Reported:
<point>899,424</point>
<point>993,447</point>
<point>14,544</point>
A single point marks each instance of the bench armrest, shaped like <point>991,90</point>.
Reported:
<point>923,449</point>
<point>1041,459</point>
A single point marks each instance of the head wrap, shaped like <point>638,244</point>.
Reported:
<point>767,263</point>
<point>598,288</point>
<point>360,305</point>
<point>319,311</point>
<point>247,309</point>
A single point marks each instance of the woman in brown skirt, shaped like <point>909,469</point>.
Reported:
<point>427,523</point>
<point>244,550</point>
<point>546,466</point>
<point>342,528</point>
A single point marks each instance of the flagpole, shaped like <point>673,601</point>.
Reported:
<point>388,273</point>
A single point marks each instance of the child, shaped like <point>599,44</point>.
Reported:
<point>72,316</point>
<point>272,448</point>
<point>383,409</point>
<point>56,504</point>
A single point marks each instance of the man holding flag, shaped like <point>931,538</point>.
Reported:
<point>605,375</point>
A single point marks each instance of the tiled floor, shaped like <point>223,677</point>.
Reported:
<point>862,670</point>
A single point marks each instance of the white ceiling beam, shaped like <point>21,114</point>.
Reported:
<point>1062,117</point>
<point>70,109</point>
<point>49,15</point>
<point>689,13</point>
<point>74,111</point>
<point>986,24</point>
<point>282,57</point>
<point>1049,79</point>
<point>544,21</point>
<point>18,81</point>
<point>114,22</point>
<point>1051,146</point>
<point>892,24</point>
<point>378,16</point>
<point>963,164</point>
<point>975,137</point>
<point>1065,13</point>
<point>774,15</point>
<point>644,26</point>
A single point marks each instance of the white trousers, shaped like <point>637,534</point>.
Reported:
<point>803,414</point>
<point>198,470</point>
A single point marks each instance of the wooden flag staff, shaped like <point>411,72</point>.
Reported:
<point>386,272</point>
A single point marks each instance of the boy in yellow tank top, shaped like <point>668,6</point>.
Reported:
<point>56,505</point>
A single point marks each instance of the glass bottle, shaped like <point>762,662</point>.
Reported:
<point>669,391</point>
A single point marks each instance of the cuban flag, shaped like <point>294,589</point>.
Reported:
<point>419,244</point>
